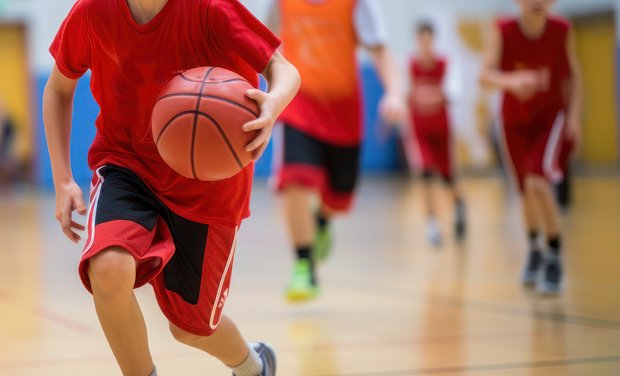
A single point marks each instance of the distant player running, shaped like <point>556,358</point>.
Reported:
<point>431,130</point>
<point>323,124</point>
<point>532,59</point>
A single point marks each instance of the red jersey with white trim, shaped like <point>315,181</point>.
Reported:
<point>427,97</point>
<point>131,63</point>
<point>546,54</point>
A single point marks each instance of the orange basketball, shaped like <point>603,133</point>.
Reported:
<point>197,122</point>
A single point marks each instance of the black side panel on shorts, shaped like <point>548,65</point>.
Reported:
<point>342,167</point>
<point>124,196</point>
<point>301,148</point>
<point>183,273</point>
<point>340,162</point>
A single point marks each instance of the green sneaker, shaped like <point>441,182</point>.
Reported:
<point>323,244</point>
<point>302,286</point>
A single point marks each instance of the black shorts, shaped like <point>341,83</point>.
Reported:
<point>189,264</point>
<point>331,169</point>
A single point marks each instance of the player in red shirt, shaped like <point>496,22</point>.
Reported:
<point>147,223</point>
<point>431,129</point>
<point>532,59</point>
<point>323,124</point>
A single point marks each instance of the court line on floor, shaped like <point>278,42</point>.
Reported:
<point>399,293</point>
<point>485,367</point>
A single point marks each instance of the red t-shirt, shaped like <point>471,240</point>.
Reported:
<point>131,63</point>
<point>547,54</point>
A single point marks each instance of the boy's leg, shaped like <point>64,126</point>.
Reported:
<point>433,231</point>
<point>112,276</point>
<point>226,343</point>
<point>302,228</point>
<point>301,176</point>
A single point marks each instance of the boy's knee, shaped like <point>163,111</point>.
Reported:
<point>112,271</point>
<point>184,337</point>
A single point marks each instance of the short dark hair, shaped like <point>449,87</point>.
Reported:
<point>425,27</point>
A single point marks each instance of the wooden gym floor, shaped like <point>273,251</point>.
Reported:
<point>391,305</point>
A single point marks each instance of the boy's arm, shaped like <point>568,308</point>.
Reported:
<point>523,84</point>
<point>57,110</point>
<point>574,92</point>
<point>392,106</point>
<point>283,79</point>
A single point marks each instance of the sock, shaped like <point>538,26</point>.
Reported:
<point>305,253</point>
<point>554,244</point>
<point>533,240</point>
<point>251,366</point>
<point>321,221</point>
<point>154,372</point>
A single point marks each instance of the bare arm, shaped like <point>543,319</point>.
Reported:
<point>284,81</point>
<point>392,106</point>
<point>57,112</point>
<point>524,84</point>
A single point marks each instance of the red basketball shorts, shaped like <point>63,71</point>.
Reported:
<point>331,170</point>
<point>189,264</point>
<point>534,148</point>
<point>432,144</point>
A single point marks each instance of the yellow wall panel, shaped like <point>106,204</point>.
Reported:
<point>596,48</point>
<point>15,84</point>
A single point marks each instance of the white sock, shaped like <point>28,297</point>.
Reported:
<point>252,366</point>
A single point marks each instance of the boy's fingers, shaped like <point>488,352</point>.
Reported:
<point>258,141</point>
<point>80,206</point>
<point>255,124</point>
<point>77,226</point>
<point>255,94</point>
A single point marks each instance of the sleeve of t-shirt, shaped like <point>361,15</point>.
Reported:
<point>71,48</point>
<point>369,25</point>
<point>235,28</point>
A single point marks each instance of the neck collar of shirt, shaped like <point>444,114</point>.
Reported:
<point>149,26</point>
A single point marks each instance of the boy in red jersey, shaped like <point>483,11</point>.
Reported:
<point>532,59</point>
<point>146,223</point>
<point>431,129</point>
<point>322,126</point>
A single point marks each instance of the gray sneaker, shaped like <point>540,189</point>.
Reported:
<point>532,266</point>
<point>268,356</point>
<point>550,277</point>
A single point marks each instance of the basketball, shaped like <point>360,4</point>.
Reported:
<point>197,123</point>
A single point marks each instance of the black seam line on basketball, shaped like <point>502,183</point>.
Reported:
<point>165,127</point>
<point>213,82</point>
<point>397,292</point>
<point>209,97</point>
<point>199,113</point>
<point>192,151</point>
<point>223,134</point>
<point>486,367</point>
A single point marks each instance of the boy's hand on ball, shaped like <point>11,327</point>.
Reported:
<point>264,123</point>
<point>68,199</point>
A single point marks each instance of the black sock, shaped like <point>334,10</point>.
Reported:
<point>305,253</point>
<point>554,244</point>
<point>321,221</point>
<point>533,239</point>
